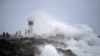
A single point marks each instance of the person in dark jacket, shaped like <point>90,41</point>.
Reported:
<point>3,34</point>
<point>7,35</point>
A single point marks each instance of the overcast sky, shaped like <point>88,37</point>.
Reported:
<point>14,13</point>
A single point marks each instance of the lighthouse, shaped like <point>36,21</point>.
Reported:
<point>30,27</point>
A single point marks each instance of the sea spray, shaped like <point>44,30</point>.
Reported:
<point>49,50</point>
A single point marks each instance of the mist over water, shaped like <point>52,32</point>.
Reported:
<point>83,41</point>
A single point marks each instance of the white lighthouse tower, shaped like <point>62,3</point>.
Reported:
<point>30,27</point>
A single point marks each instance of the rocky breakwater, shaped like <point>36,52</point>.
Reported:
<point>27,47</point>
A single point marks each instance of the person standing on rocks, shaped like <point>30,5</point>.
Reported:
<point>3,35</point>
<point>7,35</point>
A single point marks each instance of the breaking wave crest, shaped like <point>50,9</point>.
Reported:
<point>80,38</point>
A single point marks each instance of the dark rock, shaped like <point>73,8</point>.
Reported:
<point>14,48</point>
<point>7,48</point>
<point>66,52</point>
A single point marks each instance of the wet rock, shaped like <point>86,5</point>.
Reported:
<point>16,47</point>
<point>7,48</point>
<point>66,52</point>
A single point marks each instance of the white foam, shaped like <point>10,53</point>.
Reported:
<point>49,50</point>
